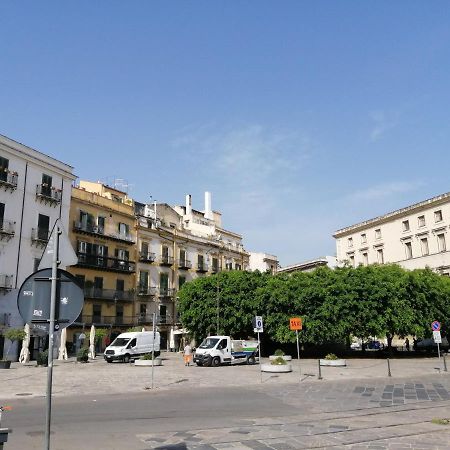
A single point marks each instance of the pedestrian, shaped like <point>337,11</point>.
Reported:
<point>407,344</point>
<point>415,344</point>
<point>187,354</point>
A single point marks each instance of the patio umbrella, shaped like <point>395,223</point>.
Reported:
<point>172,339</point>
<point>25,352</point>
<point>92,343</point>
<point>62,353</point>
<point>143,328</point>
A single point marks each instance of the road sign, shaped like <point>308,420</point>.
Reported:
<point>437,337</point>
<point>66,253</point>
<point>34,296</point>
<point>436,326</point>
<point>258,324</point>
<point>295,323</point>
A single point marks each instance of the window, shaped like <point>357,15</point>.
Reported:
<point>438,216</point>
<point>424,246</point>
<point>43,227</point>
<point>98,282</point>
<point>237,267</point>
<point>120,285</point>
<point>421,221</point>
<point>82,247</point>
<point>350,242</point>
<point>441,242</point>
<point>122,254</point>
<point>4,164</point>
<point>143,281</point>
<point>144,248</point>
<point>143,309</point>
<point>163,313</point>
<point>408,250</point>
<point>96,313</point>
<point>124,229</point>
<point>165,252</point>
<point>229,265</point>
<point>405,225</point>
<point>119,316</point>
<point>365,257</point>
<point>351,259</point>
<point>215,265</point>
<point>181,281</point>
<point>164,282</point>
<point>378,233</point>
<point>380,256</point>
<point>363,238</point>
<point>182,256</point>
<point>46,188</point>
<point>200,261</point>
<point>100,224</point>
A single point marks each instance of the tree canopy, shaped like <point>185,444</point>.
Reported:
<point>334,304</point>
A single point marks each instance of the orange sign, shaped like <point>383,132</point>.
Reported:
<point>295,323</point>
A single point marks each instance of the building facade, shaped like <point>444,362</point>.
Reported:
<point>34,192</point>
<point>310,265</point>
<point>263,262</point>
<point>414,237</point>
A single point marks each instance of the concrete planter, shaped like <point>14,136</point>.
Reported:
<point>148,362</point>
<point>285,357</point>
<point>333,362</point>
<point>276,368</point>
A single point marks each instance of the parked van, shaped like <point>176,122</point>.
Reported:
<point>128,346</point>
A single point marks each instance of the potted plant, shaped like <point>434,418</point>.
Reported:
<point>332,360</point>
<point>277,365</point>
<point>42,358</point>
<point>147,360</point>
<point>13,335</point>
<point>83,355</point>
<point>280,354</point>
<point>100,335</point>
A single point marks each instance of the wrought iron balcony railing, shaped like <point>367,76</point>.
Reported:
<point>184,264</point>
<point>89,228</point>
<point>40,235</point>
<point>109,294</point>
<point>147,257</point>
<point>148,319</point>
<point>8,179</point>
<point>165,260</point>
<point>166,292</point>
<point>202,267</point>
<point>105,263</point>
<point>6,229</point>
<point>100,320</point>
<point>147,291</point>
<point>48,193</point>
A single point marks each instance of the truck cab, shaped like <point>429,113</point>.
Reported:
<point>217,350</point>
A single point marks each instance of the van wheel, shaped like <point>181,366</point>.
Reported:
<point>199,364</point>
<point>208,362</point>
<point>109,361</point>
<point>126,358</point>
<point>251,360</point>
<point>215,362</point>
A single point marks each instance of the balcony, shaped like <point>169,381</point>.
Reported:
<point>166,292</point>
<point>184,264</point>
<point>6,230</point>
<point>8,179</point>
<point>147,291</point>
<point>165,260</point>
<point>39,236</point>
<point>95,230</point>
<point>6,282</point>
<point>147,257</point>
<point>48,194</point>
<point>104,263</point>
<point>147,319</point>
<point>109,294</point>
<point>89,320</point>
<point>215,269</point>
<point>202,267</point>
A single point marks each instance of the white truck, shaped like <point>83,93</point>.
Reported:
<point>132,345</point>
<point>217,350</point>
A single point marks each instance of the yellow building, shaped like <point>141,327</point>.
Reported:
<point>102,230</point>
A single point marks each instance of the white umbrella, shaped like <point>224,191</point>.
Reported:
<point>92,343</point>
<point>172,339</point>
<point>143,329</point>
<point>25,352</point>
<point>62,353</point>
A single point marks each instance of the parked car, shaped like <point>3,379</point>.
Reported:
<point>428,344</point>
<point>373,345</point>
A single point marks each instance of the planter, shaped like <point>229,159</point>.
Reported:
<point>333,362</point>
<point>82,359</point>
<point>285,357</point>
<point>5,364</point>
<point>148,362</point>
<point>276,368</point>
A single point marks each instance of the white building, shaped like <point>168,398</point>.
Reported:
<point>310,265</point>
<point>34,191</point>
<point>263,262</point>
<point>414,237</point>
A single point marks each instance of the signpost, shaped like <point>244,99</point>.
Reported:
<point>436,327</point>
<point>50,299</point>
<point>258,327</point>
<point>295,324</point>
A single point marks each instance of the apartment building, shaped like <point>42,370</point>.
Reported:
<point>102,230</point>
<point>414,237</point>
<point>34,192</point>
<point>263,262</point>
<point>310,265</point>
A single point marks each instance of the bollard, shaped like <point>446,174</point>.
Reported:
<point>445,363</point>
<point>320,371</point>
<point>389,368</point>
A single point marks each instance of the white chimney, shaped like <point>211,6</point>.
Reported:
<point>188,204</point>
<point>208,210</point>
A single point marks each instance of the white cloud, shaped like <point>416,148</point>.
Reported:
<point>384,190</point>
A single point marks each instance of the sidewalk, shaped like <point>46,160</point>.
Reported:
<point>71,378</point>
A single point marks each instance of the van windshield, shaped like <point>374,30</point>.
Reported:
<point>120,342</point>
<point>209,343</point>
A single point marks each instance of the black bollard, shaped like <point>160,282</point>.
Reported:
<point>445,362</point>
<point>389,368</point>
<point>320,371</point>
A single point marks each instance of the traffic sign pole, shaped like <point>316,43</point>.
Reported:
<point>51,334</point>
<point>259,356</point>
<point>298,356</point>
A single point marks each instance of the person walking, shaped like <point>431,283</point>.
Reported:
<point>187,354</point>
<point>407,344</point>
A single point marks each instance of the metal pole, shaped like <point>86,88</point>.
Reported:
<point>54,278</point>
<point>298,355</point>
<point>259,356</point>
<point>389,368</point>
<point>217,303</point>
<point>320,371</point>
<point>153,347</point>
<point>445,362</point>
<point>439,354</point>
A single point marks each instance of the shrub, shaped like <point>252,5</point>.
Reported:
<point>13,334</point>
<point>42,358</point>
<point>278,361</point>
<point>83,354</point>
<point>147,357</point>
<point>279,352</point>
<point>331,357</point>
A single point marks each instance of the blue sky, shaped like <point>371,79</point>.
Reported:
<point>300,117</point>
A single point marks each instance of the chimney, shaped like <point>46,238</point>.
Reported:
<point>188,204</point>
<point>208,211</point>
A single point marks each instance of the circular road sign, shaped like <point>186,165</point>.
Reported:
<point>34,297</point>
<point>436,326</point>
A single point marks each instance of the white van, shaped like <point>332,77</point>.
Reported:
<point>131,345</point>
